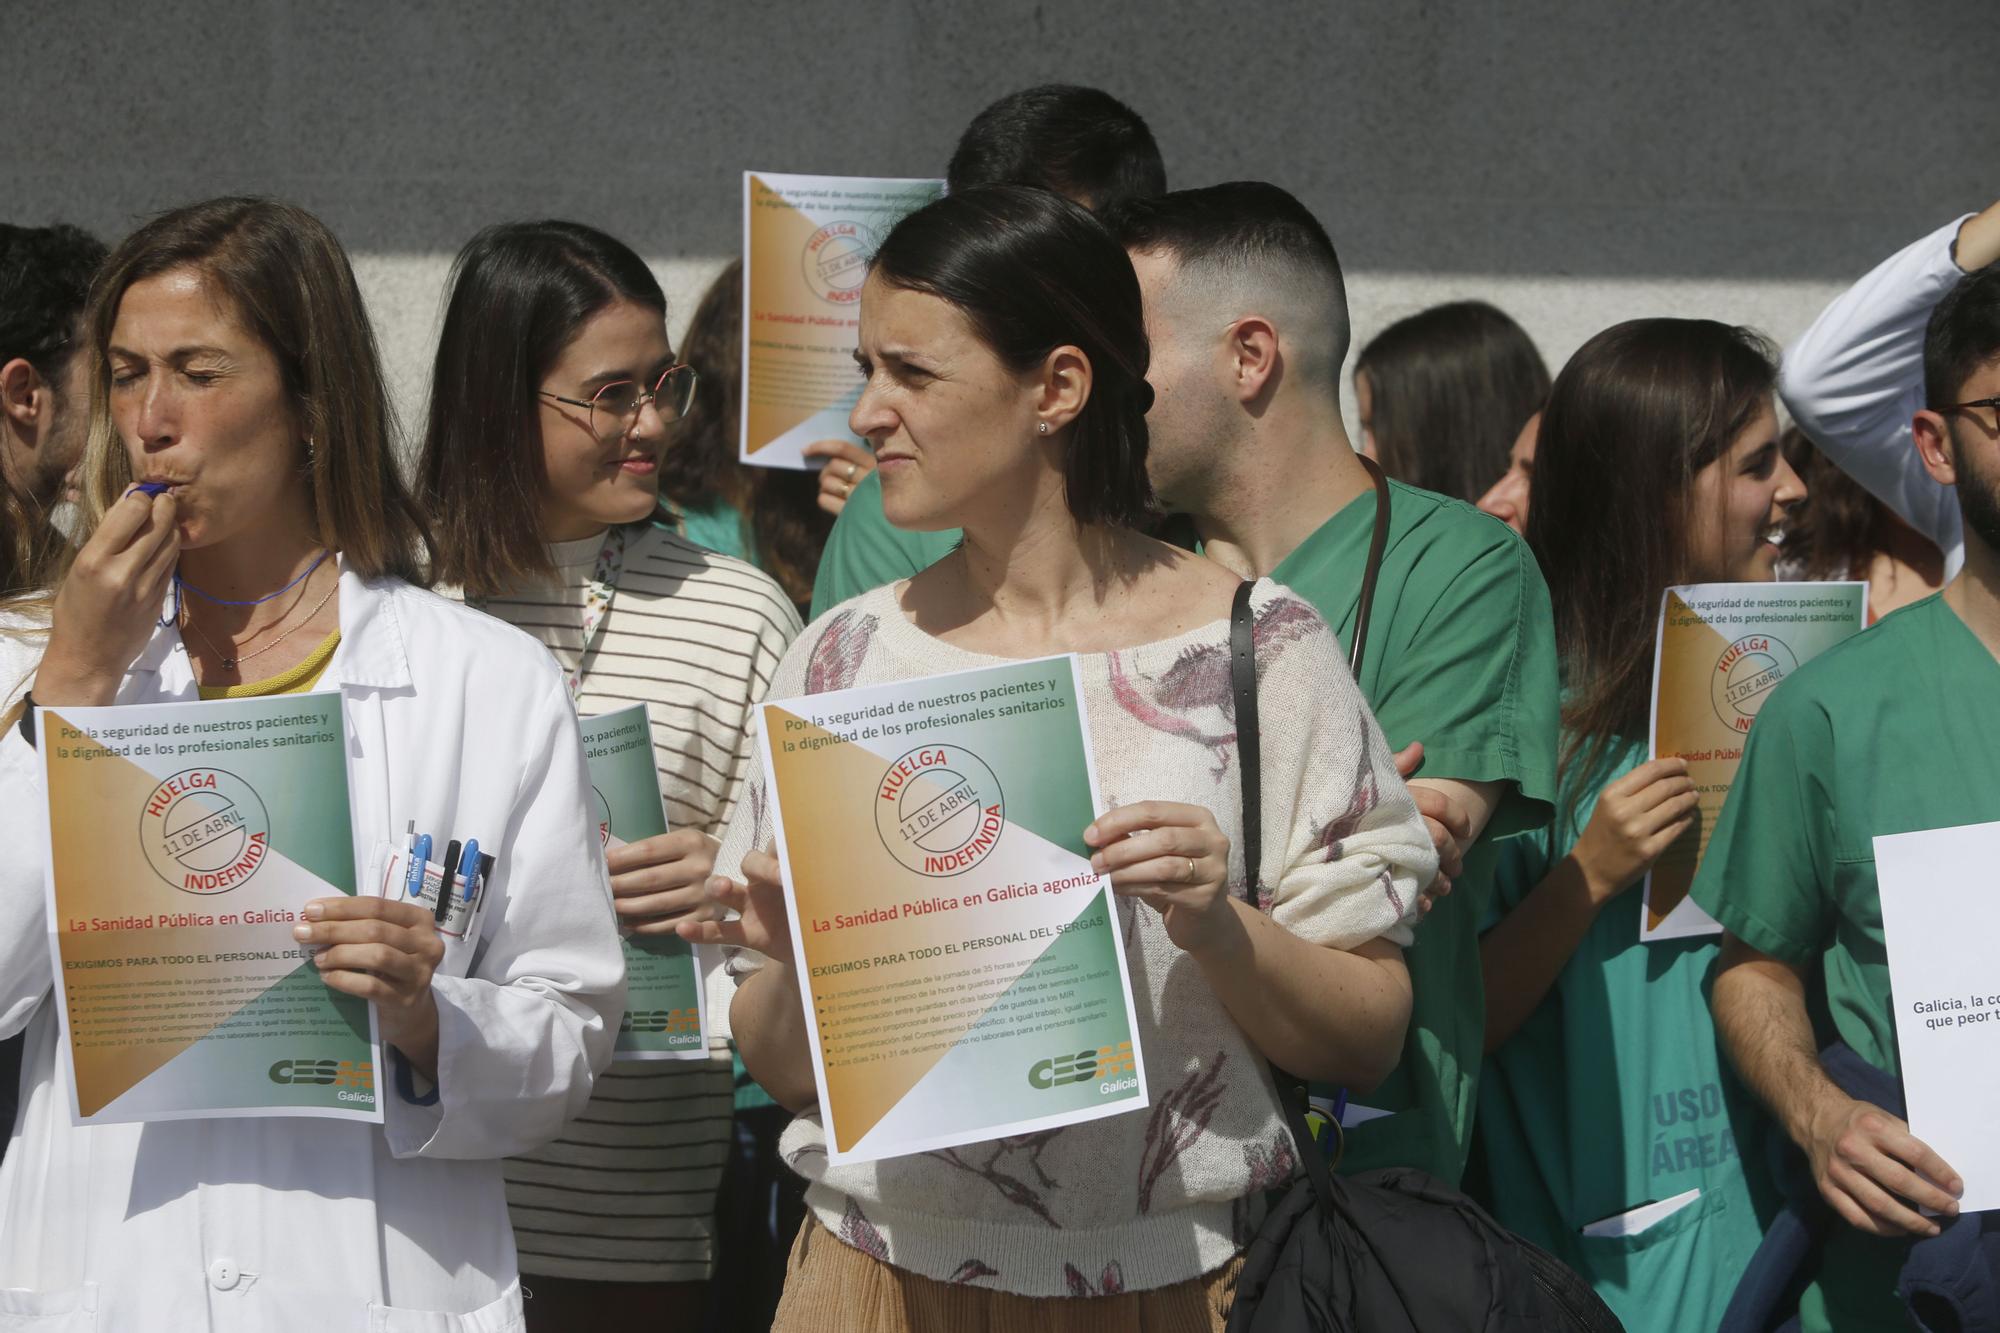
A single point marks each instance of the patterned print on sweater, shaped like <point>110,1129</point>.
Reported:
<point>1137,1201</point>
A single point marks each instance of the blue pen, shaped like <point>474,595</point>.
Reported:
<point>414,887</point>
<point>468,871</point>
<point>152,487</point>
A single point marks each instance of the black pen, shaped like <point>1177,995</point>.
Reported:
<point>444,885</point>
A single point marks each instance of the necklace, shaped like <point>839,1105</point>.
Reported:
<point>230,663</point>
<point>180,582</point>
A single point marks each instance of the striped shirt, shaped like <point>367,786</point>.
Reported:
<point>627,1193</point>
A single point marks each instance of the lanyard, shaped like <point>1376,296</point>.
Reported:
<point>597,597</point>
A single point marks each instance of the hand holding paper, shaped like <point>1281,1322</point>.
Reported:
<point>959,959</point>
<point>1171,857</point>
<point>657,881</point>
<point>658,876</point>
<point>1867,1163</point>
<point>385,950</point>
<point>1939,919</point>
<point>761,925</point>
<point>1637,818</point>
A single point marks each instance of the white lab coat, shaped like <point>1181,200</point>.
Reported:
<point>1854,381</point>
<point>289,1225</point>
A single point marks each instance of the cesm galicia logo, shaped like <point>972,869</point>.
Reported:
<point>939,810</point>
<point>1111,1065</point>
<point>672,1022</point>
<point>204,831</point>
<point>354,1080</point>
<point>1744,676</point>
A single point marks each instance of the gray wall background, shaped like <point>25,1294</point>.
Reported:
<point>1576,161</point>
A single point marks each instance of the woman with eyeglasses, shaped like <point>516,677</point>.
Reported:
<point>555,383</point>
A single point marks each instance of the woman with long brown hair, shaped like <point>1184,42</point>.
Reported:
<point>553,396</point>
<point>1609,1123</point>
<point>1442,395</point>
<point>232,367</point>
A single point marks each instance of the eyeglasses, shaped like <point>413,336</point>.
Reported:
<point>1993,403</point>
<point>614,409</point>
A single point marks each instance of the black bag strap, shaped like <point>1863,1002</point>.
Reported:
<point>1293,1093</point>
<point>1378,541</point>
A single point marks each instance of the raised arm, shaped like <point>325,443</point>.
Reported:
<point>1855,378</point>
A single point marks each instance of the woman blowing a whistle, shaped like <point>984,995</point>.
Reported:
<point>233,373</point>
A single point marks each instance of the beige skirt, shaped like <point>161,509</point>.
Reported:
<point>831,1287</point>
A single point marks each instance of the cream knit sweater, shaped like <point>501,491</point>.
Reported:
<point>1174,1191</point>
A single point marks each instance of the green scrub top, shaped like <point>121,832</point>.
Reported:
<point>1890,732</point>
<point>864,552</point>
<point>1614,1094</point>
<point>1461,656</point>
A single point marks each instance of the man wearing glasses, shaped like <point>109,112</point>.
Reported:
<point>1854,381</point>
<point>1894,731</point>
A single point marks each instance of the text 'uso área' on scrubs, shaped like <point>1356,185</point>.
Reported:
<point>1614,1095</point>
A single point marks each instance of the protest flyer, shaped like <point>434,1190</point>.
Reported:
<point>665,1005</point>
<point>965,975</point>
<point>1721,649</point>
<point>1939,920</point>
<point>183,839</point>
<point>807,241</point>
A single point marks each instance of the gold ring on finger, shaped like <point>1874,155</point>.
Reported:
<point>1191,870</point>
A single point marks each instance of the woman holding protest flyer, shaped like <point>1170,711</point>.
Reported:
<point>246,535</point>
<point>549,410</point>
<point>1003,356</point>
<point>1613,1132</point>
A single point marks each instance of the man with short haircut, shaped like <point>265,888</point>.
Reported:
<point>1082,143</point>
<point>1893,731</point>
<point>1246,308</point>
<point>45,275</point>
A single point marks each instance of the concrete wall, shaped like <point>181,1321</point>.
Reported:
<point>1576,161</point>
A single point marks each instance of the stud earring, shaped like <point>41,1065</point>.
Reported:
<point>1043,428</point>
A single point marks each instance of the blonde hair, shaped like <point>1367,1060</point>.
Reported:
<point>289,282</point>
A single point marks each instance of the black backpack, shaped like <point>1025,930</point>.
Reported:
<point>1390,1250</point>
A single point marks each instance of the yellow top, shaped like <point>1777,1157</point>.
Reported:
<point>296,681</point>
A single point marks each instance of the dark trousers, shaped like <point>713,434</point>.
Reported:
<point>573,1305</point>
<point>757,1214</point>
